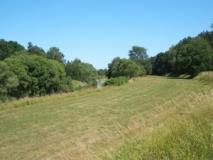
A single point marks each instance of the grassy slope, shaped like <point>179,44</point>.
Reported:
<point>92,123</point>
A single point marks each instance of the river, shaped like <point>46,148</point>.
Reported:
<point>100,83</point>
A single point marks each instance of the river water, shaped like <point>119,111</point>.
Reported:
<point>100,83</point>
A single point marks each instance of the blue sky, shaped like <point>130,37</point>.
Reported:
<point>96,31</point>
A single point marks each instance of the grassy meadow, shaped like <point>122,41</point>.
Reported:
<point>148,118</point>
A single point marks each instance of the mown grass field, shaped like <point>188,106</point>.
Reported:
<point>122,122</point>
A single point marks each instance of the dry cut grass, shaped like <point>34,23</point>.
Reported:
<point>94,123</point>
<point>176,130</point>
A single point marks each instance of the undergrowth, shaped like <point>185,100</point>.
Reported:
<point>116,81</point>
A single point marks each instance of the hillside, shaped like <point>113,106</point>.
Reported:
<point>95,124</point>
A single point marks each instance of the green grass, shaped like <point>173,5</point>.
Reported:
<point>126,122</point>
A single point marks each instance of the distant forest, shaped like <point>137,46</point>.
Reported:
<point>35,72</point>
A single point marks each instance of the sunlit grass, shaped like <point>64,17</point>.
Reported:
<point>206,78</point>
<point>178,131</point>
<point>96,123</point>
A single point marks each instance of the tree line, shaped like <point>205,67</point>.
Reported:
<point>34,72</point>
<point>189,56</point>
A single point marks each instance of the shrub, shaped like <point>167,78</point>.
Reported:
<point>116,81</point>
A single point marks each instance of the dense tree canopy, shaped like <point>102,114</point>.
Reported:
<point>127,68</point>
<point>81,71</point>
<point>189,56</point>
<point>102,72</point>
<point>55,54</point>
<point>208,36</point>
<point>35,50</point>
<point>138,53</point>
<point>8,80</point>
<point>33,72</point>
<point>9,48</point>
<point>140,56</point>
<point>160,66</point>
<point>36,74</point>
<point>194,57</point>
<point>111,65</point>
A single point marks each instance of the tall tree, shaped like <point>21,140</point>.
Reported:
<point>160,66</point>
<point>138,53</point>
<point>110,66</point>
<point>55,54</point>
<point>35,50</point>
<point>73,69</point>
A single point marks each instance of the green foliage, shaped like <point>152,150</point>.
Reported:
<point>165,62</point>
<point>111,65</point>
<point>102,72</point>
<point>16,66</point>
<point>36,74</point>
<point>127,68</point>
<point>194,57</point>
<point>55,54</point>
<point>190,56</point>
<point>147,65</point>
<point>51,75</point>
<point>9,48</point>
<point>116,81</point>
<point>8,81</point>
<point>208,36</point>
<point>81,71</point>
<point>161,64</point>
<point>35,50</point>
<point>67,85</point>
<point>139,55</point>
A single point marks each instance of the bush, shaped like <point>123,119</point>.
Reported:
<point>116,81</point>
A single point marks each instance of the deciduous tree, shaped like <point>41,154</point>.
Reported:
<point>111,65</point>
<point>8,80</point>
<point>194,57</point>
<point>35,50</point>
<point>127,68</point>
<point>81,71</point>
<point>140,56</point>
<point>55,54</point>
